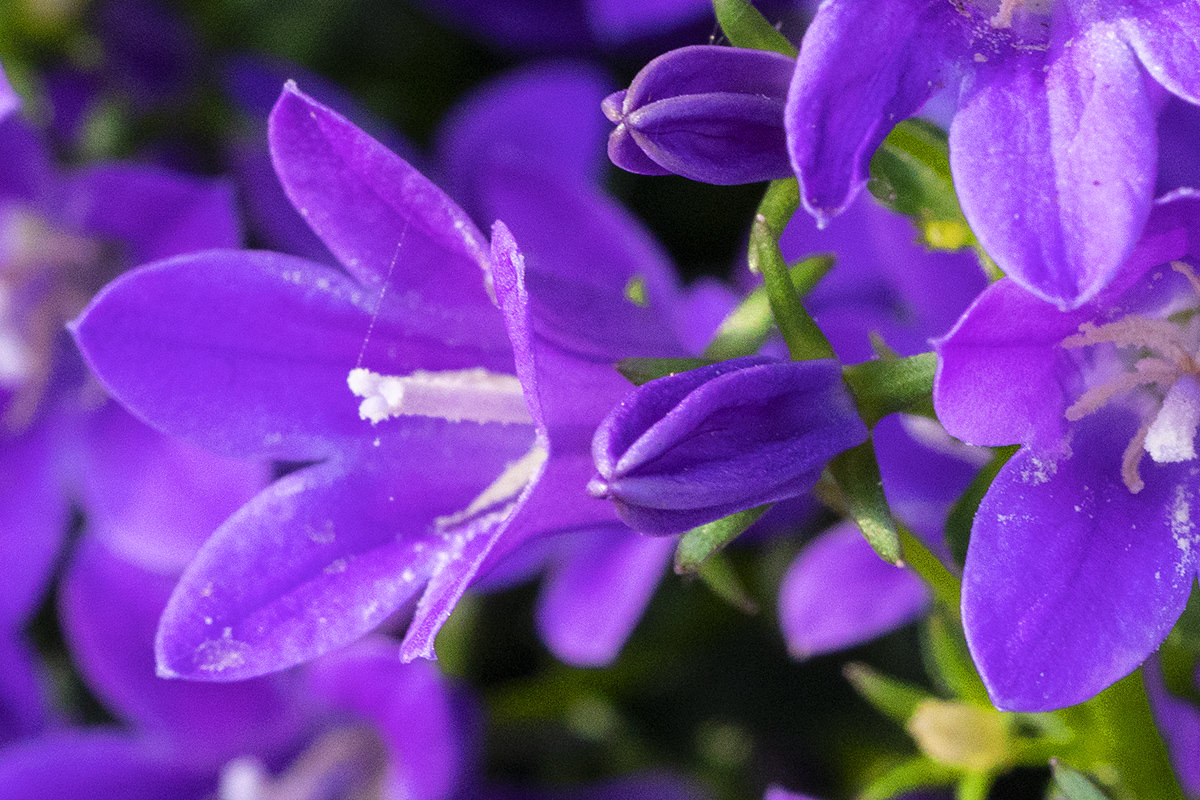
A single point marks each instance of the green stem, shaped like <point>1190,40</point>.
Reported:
<point>804,339</point>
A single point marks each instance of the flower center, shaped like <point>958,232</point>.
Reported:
<point>1168,359</point>
<point>474,395</point>
<point>348,763</point>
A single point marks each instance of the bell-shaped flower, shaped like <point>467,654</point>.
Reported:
<point>1084,550</point>
<point>1053,146</point>
<point>712,114</point>
<point>693,447</point>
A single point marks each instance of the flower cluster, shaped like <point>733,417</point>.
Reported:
<point>280,449</point>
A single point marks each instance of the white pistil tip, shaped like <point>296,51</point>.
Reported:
<point>474,395</point>
<point>1171,437</point>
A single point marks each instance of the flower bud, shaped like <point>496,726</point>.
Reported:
<point>693,447</point>
<point>712,114</point>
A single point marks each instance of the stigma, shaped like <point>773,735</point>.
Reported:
<point>464,395</point>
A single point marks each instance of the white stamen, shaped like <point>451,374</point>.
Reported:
<point>474,395</point>
<point>1171,437</point>
<point>506,487</point>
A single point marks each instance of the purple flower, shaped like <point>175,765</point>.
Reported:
<point>206,347</point>
<point>1053,144</point>
<point>711,114</point>
<point>1083,551</point>
<point>62,235</point>
<point>691,448</point>
<point>1179,722</point>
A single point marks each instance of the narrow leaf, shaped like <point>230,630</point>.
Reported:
<point>1073,784</point>
<point>699,544</point>
<point>893,698</point>
<point>885,386</point>
<point>945,651</point>
<point>857,475</point>
<point>748,326</point>
<point>962,513</point>
<point>718,574</point>
<point>744,26</point>
<point>907,776</point>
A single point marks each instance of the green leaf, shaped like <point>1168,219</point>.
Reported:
<point>947,588</point>
<point>643,370</point>
<point>962,513</point>
<point>718,574</point>
<point>1073,784</point>
<point>804,339</point>
<point>915,773</point>
<point>748,326</point>
<point>946,654</point>
<point>744,26</point>
<point>856,473</point>
<point>893,698</point>
<point>885,386</point>
<point>700,544</point>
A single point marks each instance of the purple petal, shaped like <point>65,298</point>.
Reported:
<point>1053,158</point>
<point>998,378</point>
<point>711,114</point>
<point>154,499</point>
<point>839,593</point>
<point>23,704</point>
<point>385,222</point>
<point>863,66</point>
<point>98,766</point>
<point>409,705</point>
<point>327,553</point>
<point>206,347</point>
<point>547,113</point>
<point>10,101</point>
<point>594,597</point>
<point>33,516</point>
<point>779,793</point>
<point>27,174</point>
<point>154,212</point>
<point>626,153</point>
<point>1071,580</point>
<point>270,214</point>
<point>1166,37</point>
<point>110,609</point>
<point>567,398</point>
<point>1179,722</point>
<point>617,21</point>
<point>582,252</point>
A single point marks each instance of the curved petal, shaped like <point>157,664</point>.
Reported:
<point>412,708</point>
<point>24,706</point>
<point>839,593</point>
<point>863,66</point>
<point>155,213</point>
<point>615,22</point>
<point>624,152</point>
<point>1071,580</point>
<point>33,516</point>
<point>98,766</point>
<point>1166,37</point>
<point>546,113</point>
<point>154,499</point>
<point>385,222</point>
<point>595,595</point>
<point>247,353</point>
<point>110,610</point>
<point>1054,160</point>
<point>325,554</point>
<point>998,370</point>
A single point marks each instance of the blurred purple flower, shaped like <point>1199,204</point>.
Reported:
<point>1053,144</point>
<point>1081,556</point>
<point>62,235</point>
<point>1179,723</point>
<point>711,114</point>
<point>690,448</point>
